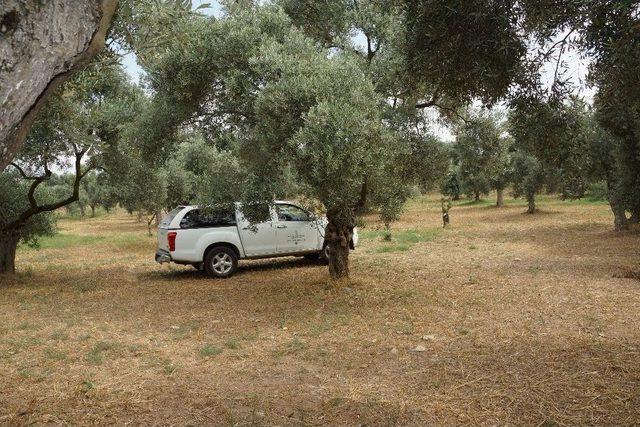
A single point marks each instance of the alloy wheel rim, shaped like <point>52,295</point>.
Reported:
<point>222,263</point>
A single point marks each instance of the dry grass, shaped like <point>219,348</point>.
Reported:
<point>523,319</point>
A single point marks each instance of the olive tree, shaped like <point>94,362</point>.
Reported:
<point>555,133</point>
<point>294,110</point>
<point>68,135</point>
<point>612,38</point>
<point>482,154</point>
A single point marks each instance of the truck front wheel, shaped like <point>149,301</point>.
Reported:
<point>324,255</point>
<point>220,262</point>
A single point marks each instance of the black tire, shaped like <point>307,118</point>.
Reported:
<point>324,255</point>
<point>312,257</point>
<point>220,262</point>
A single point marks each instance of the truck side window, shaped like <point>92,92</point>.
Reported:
<point>208,218</point>
<point>257,212</point>
<point>292,213</point>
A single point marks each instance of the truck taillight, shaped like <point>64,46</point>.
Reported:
<point>171,237</point>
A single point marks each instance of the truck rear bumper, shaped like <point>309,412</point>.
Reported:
<point>162,256</point>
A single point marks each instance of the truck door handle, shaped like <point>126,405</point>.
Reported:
<point>282,226</point>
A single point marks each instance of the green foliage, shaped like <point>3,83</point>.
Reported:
<point>529,176</point>
<point>13,200</point>
<point>613,38</point>
<point>292,112</point>
<point>597,191</point>
<point>481,152</point>
<point>73,132</point>
<point>553,139</point>
<point>450,185</point>
<point>465,49</point>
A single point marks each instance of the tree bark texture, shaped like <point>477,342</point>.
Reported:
<point>616,202</point>
<point>531,203</point>
<point>338,236</point>
<point>361,206</point>
<point>8,244</point>
<point>500,198</point>
<point>41,44</point>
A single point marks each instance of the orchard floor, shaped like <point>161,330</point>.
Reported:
<point>517,319</point>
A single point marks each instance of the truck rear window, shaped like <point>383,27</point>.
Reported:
<point>208,218</point>
<point>167,219</point>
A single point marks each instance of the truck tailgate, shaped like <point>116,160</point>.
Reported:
<point>163,242</point>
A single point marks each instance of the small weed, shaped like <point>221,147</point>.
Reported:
<point>88,385</point>
<point>401,240</point>
<point>405,328</point>
<point>59,336</point>
<point>169,369</point>
<point>405,294</point>
<point>336,401</point>
<point>292,347</point>
<point>320,328</point>
<point>392,248</point>
<point>84,287</point>
<point>233,344</point>
<point>181,332</point>
<point>24,343</point>
<point>53,354</point>
<point>98,351</point>
<point>210,350</point>
<point>25,372</point>
<point>26,326</point>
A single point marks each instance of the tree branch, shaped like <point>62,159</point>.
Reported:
<point>35,209</point>
<point>453,111</point>
<point>22,172</point>
<point>434,99</point>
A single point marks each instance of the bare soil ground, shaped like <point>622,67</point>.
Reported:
<point>520,319</point>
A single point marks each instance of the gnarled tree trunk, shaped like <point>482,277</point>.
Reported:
<point>616,202</point>
<point>620,221</point>
<point>500,198</point>
<point>531,203</point>
<point>476,196</point>
<point>338,236</point>
<point>361,206</point>
<point>41,44</point>
<point>8,245</point>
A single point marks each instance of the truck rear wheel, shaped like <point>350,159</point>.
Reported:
<point>221,262</point>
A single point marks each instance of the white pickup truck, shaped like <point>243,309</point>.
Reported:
<point>214,240</point>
